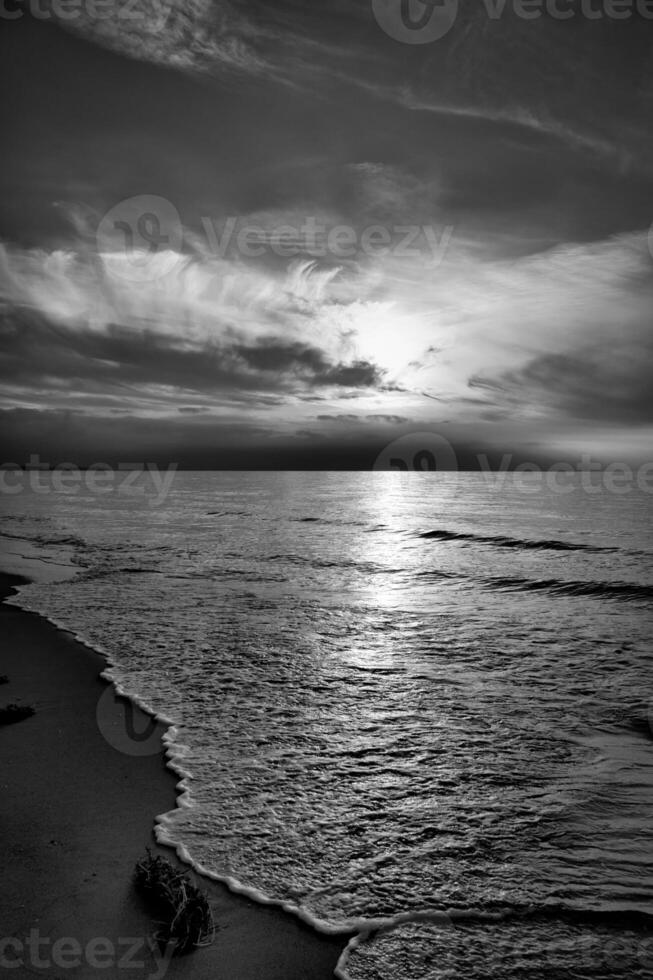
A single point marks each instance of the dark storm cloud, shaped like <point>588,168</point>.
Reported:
<point>37,353</point>
<point>360,374</point>
<point>272,354</point>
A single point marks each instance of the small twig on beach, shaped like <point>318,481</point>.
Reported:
<point>15,712</point>
<point>189,920</point>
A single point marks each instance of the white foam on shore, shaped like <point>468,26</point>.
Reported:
<point>175,750</point>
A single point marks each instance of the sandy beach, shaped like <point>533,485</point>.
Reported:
<point>75,816</point>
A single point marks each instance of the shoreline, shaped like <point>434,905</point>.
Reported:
<point>78,808</point>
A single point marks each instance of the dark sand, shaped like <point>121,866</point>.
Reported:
<point>76,814</point>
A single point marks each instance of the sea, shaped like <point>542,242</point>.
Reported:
<point>411,707</point>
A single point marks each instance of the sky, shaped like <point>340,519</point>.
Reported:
<point>285,234</point>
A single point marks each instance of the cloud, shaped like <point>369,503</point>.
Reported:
<point>517,116</point>
<point>372,417</point>
<point>540,75</point>
<point>584,82</point>
<point>40,357</point>
<point>187,35</point>
<point>342,417</point>
<point>599,384</point>
<point>578,342</point>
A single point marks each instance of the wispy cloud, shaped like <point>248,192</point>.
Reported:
<point>545,76</point>
<point>519,116</point>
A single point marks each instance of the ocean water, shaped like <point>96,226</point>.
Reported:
<point>413,705</point>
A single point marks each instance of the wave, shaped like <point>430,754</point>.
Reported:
<point>47,539</point>
<point>325,520</point>
<point>554,586</point>
<point>628,591</point>
<point>504,912</point>
<point>435,573</point>
<point>228,513</point>
<point>502,541</point>
<point>613,918</point>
